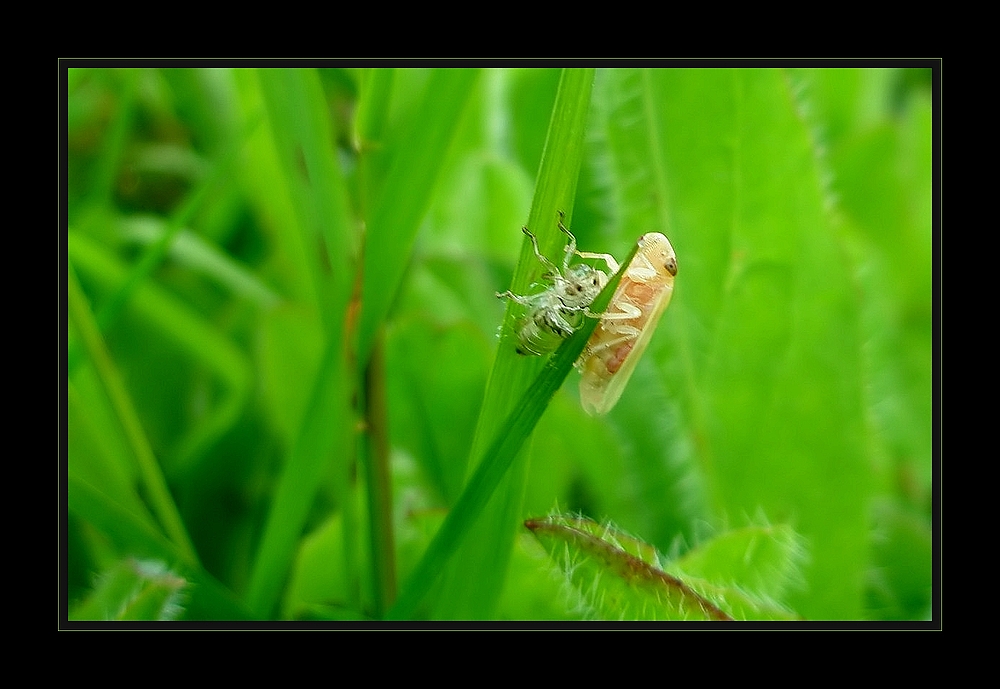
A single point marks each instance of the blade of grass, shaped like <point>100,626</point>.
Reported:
<point>405,196</point>
<point>154,254</point>
<point>401,202</point>
<point>369,127</point>
<point>199,254</point>
<point>503,449</point>
<point>210,600</point>
<point>378,475</point>
<point>370,118</point>
<point>475,579</point>
<point>373,106</point>
<point>297,487</point>
<point>301,129</point>
<point>101,192</point>
<point>149,469</point>
<point>300,122</point>
<point>176,320</point>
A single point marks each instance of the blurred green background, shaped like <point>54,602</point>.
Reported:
<point>217,231</point>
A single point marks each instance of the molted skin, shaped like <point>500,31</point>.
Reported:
<point>626,327</point>
<point>555,313</point>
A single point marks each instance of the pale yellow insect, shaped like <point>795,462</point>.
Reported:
<point>627,325</point>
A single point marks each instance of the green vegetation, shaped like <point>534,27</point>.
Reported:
<point>294,395</point>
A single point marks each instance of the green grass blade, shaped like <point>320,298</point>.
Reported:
<point>505,446</point>
<point>171,318</point>
<point>375,91</point>
<point>301,130</point>
<point>401,201</point>
<point>373,105</point>
<point>201,255</point>
<point>374,95</point>
<point>475,579</point>
<point>297,487</point>
<point>155,252</point>
<point>301,127</point>
<point>209,599</point>
<point>149,469</point>
<point>405,196</point>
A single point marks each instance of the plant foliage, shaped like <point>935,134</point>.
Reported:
<point>293,394</point>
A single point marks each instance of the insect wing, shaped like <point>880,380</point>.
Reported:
<point>611,356</point>
<point>600,393</point>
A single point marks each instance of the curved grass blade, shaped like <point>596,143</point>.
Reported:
<point>155,252</point>
<point>197,253</point>
<point>192,334</point>
<point>373,106</point>
<point>208,600</point>
<point>150,472</point>
<point>505,445</point>
<point>300,125</point>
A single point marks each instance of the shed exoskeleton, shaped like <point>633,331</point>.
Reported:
<point>556,312</point>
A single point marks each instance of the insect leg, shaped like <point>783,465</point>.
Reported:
<point>538,254</point>
<point>604,346</point>
<point>523,301</point>
<point>641,269</point>
<point>625,312</point>
<point>571,247</point>
<point>607,258</point>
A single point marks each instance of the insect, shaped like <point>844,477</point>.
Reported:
<point>608,360</point>
<point>557,312</point>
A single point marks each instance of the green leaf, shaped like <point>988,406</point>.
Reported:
<point>761,348</point>
<point>764,561</point>
<point>619,577</point>
<point>134,590</point>
<point>130,533</point>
